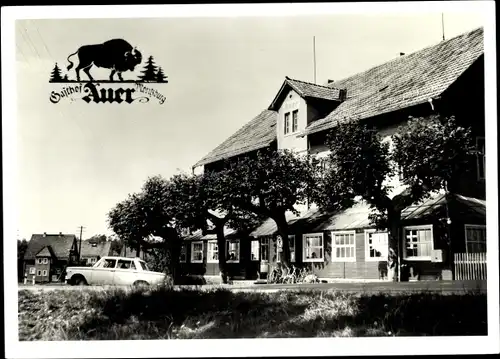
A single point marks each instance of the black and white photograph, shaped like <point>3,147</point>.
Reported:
<point>250,180</point>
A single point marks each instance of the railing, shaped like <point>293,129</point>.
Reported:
<point>470,266</point>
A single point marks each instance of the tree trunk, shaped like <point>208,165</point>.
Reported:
<point>393,258</point>
<point>282,225</point>
<point>221,244</point>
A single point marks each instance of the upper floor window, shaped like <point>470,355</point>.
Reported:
<point>287,123</point>
<point>295,119</point>
<point>481,158</point>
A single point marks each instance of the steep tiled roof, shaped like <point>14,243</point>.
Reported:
<point>100,250</point>
<point>60,244</point>
<point>406,81</point>
<point>256,134</point>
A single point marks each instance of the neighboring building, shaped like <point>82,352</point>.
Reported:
<point>447,78</point>
<point>92,251</point>
<point>48,255</point>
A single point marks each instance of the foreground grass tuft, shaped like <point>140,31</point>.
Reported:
<point>186,314</point>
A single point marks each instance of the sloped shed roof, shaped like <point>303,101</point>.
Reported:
<point>406,81</point>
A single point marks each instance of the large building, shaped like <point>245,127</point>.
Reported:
<point>448,79</point>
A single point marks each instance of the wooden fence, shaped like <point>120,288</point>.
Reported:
<point>470,266</point>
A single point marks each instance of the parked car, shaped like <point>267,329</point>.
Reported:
<point>114,271</point>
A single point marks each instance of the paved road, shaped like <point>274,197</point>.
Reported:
<point>444,287</point>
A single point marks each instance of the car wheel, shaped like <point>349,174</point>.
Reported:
<point>141,284</point>
<point>79,280</point>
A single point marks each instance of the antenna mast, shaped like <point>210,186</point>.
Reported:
<point>314,57</point>
<point>442,24</point>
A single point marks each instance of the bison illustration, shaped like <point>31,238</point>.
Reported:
<point>117,55</point>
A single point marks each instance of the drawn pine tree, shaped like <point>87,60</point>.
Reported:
<point>160,75</point>
<point>55,76</point>
<point>149,72</point>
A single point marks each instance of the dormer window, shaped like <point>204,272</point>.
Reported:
<point>287,123</point>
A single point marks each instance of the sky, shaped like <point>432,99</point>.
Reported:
<point>77,160</point>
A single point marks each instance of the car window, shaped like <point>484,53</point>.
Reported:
<point>126,264</point>
<point>144,265</point>
<point>108,263</point>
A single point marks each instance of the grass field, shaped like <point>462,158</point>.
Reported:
<point>219,313</point>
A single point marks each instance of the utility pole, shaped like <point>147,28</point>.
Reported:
<point>80,246</point>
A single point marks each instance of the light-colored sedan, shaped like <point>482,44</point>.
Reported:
<point>114,271</point>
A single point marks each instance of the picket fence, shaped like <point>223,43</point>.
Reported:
<point>470,266</point>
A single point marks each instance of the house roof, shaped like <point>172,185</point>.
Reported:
<point>466,205</point>
<point>60,244</point>
<point>305,90</point>
<point>406,81</point>
<point>256,134</point>
<point>100,250</point>
<point>45,252</point>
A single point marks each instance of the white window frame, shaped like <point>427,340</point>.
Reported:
<point>367,246</point>
<point>228,241</point>
<point>286,123</point>
<point>334,246</point>
<point>44,273</point>
<point>473,226</point>
<point>481,157</point>
<point>292,249</point>
<point>192,251</point>
<point>45,261</point>
<point>265,242</point>
<point>39,260</point>
<point>252,250</point>
<point>295,128</point>
<point>32,270</point>
<point>416,228</point>
<point>210,253</point>
<point>304,240</point>
<point>38,273</point>
<point>183,245</point>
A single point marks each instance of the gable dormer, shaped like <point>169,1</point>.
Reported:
<point>299,103</point>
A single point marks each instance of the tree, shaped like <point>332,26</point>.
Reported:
<point>147,220</point>
<point>205,198</point>
<point>22,246</point>
<point>56,76</point>
<point>149,72</point>
<point>160,75</point>
<point>271,184</point>
<point>431,152</point>
<point>98,238</point>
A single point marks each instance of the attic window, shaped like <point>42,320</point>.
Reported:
<point>383,88</point>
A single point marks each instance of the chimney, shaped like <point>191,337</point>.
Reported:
<point>401,54</point>
<point>45,234</point>
<point>60,234</point>
<point>342,94</point>
<point>330,81</point>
